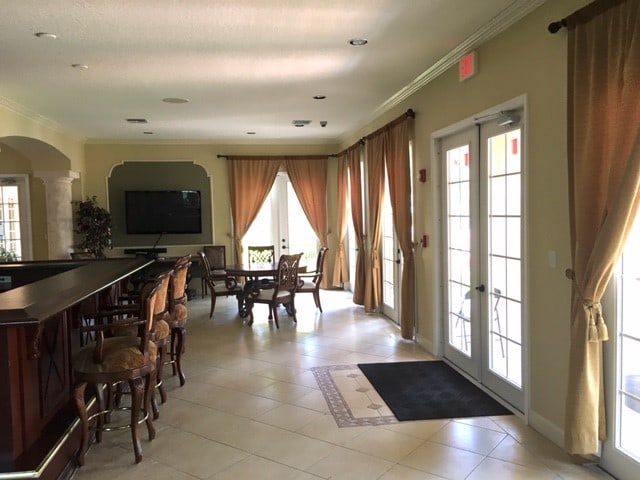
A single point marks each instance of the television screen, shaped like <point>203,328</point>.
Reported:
<point>163,211</point>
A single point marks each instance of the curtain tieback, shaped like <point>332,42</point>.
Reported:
<point>597,328</point>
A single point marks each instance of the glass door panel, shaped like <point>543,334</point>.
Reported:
<point>621,451</point>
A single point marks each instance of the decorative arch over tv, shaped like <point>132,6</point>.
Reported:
<point>160,204</point>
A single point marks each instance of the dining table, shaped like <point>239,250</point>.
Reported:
<point>258,276</point>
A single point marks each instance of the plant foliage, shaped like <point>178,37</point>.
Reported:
<point>94,222</point>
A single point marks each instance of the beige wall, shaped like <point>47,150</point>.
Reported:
<point>101,158</point>
<point>524,60</point>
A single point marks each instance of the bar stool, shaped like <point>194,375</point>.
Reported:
<point>108,361</point>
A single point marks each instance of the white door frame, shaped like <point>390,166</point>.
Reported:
<point>437,346</point>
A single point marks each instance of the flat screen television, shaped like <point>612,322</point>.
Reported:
<point>163,211</point>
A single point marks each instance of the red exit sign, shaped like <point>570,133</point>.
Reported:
<point>467,66</point>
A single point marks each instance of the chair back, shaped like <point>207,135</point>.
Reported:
<point>183,260</point>
<point>216,255</point>
<point>161,306</point>
<point>261,254</point>
<point>179,285</point>
<point>320,261</point>
<point>288,273</point>
<point>206,265</point>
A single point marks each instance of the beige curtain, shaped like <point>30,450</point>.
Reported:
<point>357,217</point>
<point>604,177</point>
<point>341,268</point>
<point>375,176</point>
<point>250,181</point>
<point>399,174</point>
<point>309,180</point>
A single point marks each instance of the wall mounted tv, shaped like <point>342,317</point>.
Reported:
<point>163,211</point>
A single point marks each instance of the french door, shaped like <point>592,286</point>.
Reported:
<point>483,262</point>
<point>282,223</point>
<point>15,219</point>
<point>621,451</point>
<point>391,261</point>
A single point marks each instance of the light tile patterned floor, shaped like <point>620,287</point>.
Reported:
<point>252,408</point>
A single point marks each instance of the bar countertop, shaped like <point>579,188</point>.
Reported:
<point>70,282</point>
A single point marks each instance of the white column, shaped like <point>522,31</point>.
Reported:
<point>57,186</point>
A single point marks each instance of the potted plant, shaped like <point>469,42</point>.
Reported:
<point>94,222</point>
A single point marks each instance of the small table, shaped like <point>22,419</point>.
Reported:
<point>253,272</point>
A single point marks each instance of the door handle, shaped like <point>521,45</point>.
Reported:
<point>480,288</point>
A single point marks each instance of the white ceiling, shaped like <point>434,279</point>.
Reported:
<point>245,65</point>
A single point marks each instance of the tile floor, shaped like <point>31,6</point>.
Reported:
<point>251,408</point>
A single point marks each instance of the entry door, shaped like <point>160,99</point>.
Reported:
<point>15,220</point>
<point>482,238</point>
<point>391,261</point>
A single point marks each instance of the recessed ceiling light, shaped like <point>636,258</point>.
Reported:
<point>80,66</point>
<point>358,42</point>
<point>175,100</point>
<point>319,97</point>
<point>51,36</point>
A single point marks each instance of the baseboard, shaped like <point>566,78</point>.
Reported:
<point>425,343</point>
<point>546,428</point>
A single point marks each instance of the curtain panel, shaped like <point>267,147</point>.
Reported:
<point>357,217</point>
<point>250,181</point>
<point>340,267</point>
<point>309,180</point>
<point>604,178</point>
<point>375,176</point>
<point>399,175</point>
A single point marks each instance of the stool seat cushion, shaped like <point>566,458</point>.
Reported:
<point>119,354</point>
<point>179,315</point>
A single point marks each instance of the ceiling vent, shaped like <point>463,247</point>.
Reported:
<point>137,120</point>
<point>300,123</point>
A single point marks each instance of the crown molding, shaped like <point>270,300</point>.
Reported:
<point>41,120</point>
<point>516,11</point>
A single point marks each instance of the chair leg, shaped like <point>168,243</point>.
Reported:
<point>162,353</point>
<point>149,388</point>
<point>213,304</point>
<point>180,333</point>
<point>81,406</point>
<point>101,408</point>
<point>316,298</point>
<point>275,315</point>
<point>292,305</point>
<point>136,399</point>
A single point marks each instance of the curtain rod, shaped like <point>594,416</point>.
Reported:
<point>555,27</point>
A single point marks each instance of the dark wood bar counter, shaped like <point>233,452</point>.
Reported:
<point>38,314</point>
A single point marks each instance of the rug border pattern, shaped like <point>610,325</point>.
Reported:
<point>338,407</point>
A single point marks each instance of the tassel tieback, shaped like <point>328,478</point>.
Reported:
<point>597,329</point>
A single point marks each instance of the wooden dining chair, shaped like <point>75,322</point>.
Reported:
<point>309,282</point>
<point>261,254</point>
<point>220,284</point>
<point>283,291</point>
<point>217,258</point>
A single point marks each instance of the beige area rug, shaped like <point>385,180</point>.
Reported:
<point>352,400</point>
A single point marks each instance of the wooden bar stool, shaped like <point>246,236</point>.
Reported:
<point>108,361</point>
